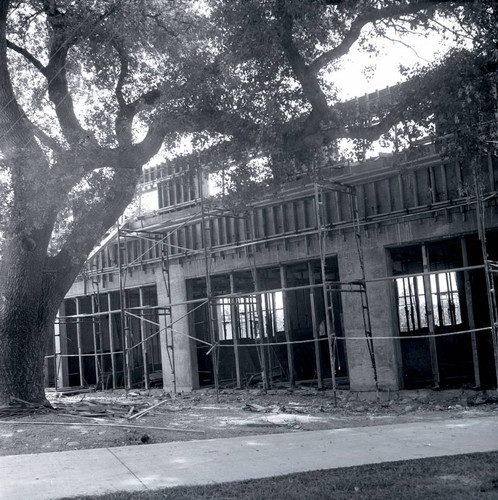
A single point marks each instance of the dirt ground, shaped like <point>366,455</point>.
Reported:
<point>97,420</point>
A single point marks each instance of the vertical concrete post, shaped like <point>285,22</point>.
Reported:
<point>379,298</point>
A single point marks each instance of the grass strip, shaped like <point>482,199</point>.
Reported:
<point>443,478</point>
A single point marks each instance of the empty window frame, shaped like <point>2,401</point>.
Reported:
<point>412,311</point>
<point>272,309</point>
<point>445,299</point>
<point>224,311</point>
<point>273,312</point>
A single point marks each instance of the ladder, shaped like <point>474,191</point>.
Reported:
<point>327,293</point>
<point>367,324</point>
<point>97,332</point>
<point>170,344</point>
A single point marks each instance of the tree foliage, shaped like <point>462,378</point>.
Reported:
<point>309,37</point>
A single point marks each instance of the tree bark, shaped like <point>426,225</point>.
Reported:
<point>26,315</point>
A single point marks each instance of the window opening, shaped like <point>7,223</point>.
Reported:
<point>412,311</point>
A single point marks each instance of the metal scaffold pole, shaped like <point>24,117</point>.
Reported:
<point>97,332</point>
<point>210,326</point>
<point>122,306</point>
<point>167,284</point>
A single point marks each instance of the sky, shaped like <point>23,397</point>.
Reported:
<point>419,48</point>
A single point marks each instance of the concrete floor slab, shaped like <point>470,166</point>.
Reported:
<point>54,475</point>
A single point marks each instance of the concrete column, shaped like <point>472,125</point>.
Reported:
<point>184,351</point>
<point>379,297</point>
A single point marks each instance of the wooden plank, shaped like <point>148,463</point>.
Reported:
<point>234,317</point>
<point>401,193</point>
<point>143,344</point>
<point>432,185</point>
<point>111,343</point>
<point>415,189</point>
<point>430,316</point>
<point>315,324</point>
<point>491,172</point>
<point>288,335</point>
<point>78,338</point>
<point>94,334</point>
<point>470,313</point>
<point>261,327</point>
<point>338,206</point>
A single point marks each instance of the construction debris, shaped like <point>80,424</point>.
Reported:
<point>143,412</point>
<point>255,407</point>
<point>79,424</point>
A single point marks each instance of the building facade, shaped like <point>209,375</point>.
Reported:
<point>372,276</point>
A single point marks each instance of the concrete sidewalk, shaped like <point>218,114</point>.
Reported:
<point>131,468</point>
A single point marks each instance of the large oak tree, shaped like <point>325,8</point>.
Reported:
<point>91,90</point>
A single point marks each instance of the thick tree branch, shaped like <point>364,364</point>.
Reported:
<point>414,100</point>
<point>371,15</point>
<point>14,132</point>
<point>45,139</point>
<point>90,224</point>
<point>127,111</point>
<point>28,56</point>
<point>123,73</point>
<point>372,132</point>
<point>124,118</point>
<point>59,94</point>
<point>67,29</point>
<point>310,85</point>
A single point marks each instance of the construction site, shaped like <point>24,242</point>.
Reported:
<point>373,276</point>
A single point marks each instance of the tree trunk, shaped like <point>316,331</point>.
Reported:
<point>32,284</point>
<point>21,362</point>
<point>26,315</point>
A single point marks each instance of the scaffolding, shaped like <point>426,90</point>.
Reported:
<point>328,289</point>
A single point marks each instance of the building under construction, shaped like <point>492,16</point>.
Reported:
<point>373,276</point>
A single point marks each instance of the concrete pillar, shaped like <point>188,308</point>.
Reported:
<point>184,352</point>
<point>379,295</point>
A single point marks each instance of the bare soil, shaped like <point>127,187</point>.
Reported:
<point>101,420</point>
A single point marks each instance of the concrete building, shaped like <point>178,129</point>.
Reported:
<point>383,270</point>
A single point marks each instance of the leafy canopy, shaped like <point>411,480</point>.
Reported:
<point>101,86</point>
